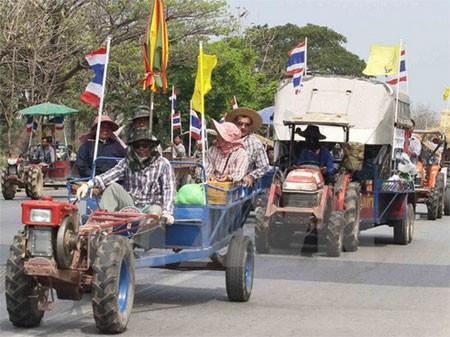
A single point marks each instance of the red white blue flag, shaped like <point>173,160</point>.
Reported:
<point>31,124</point>
<point>176,120</point>
<point>59,122</point>
<point>234,103</point>
<point>297,64</point>
<point>93,92</point>
<point>401,76</point>
<point>196,131</point>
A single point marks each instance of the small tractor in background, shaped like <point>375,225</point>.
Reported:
<point>300,200</point>
<point>431,178</point>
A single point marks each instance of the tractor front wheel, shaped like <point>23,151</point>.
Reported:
<point>20,289</point>
<point>35,183</point>
<point>113,284</point>
<point>8,188</point>
<point>335,234</point>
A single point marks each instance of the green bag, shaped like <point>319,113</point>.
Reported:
<point>190,194</point>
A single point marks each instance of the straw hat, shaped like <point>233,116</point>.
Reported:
<point>312,131</point>
<point>247,112</point>
<point>105,119</point>
<point>228,131</point>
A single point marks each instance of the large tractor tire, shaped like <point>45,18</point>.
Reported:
<point>262,240</point>
<point>240,269</point>
<point>35,183</point>
<point>352,217</point>
<point>113,284</point>
<point>21,289</point>
<point>403,229</point>
<point>8,188</point>
<point>335,234</point>
<point>433,204</point>
<point>447,200</point>
<point>440,187</point>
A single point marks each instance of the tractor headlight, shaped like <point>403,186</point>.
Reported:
<point>297,187</point>
<point>40,215</point>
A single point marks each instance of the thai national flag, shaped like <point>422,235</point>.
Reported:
<point>31,124</point>
<point>59,122</point>
<point>401,76</point>
<point>234,103</point>
<point>297,64</point>
<point>176,120</point>
<point>93,92</point>
<point>195,126</point>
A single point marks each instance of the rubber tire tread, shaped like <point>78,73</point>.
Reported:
<point>34,179</point>
<point>447,200</point>
<point>440,182</point>
<point>352,217</point>
<point>110,253</point>
<point>262,241</point>
<point>401,229</point>
<point>23,311</point>
<point>335,234</point>
<point>235,278</point>
<point>433,205</point>
<point>8,188</point>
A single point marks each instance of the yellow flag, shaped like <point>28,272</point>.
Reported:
<point>206,64</point>
<point>446,93</point>
<point>383,60</point>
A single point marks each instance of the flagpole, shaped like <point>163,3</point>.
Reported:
<point>172,111</point>
<point>100,108</point>
<point>202,100</point>
<point>446,116</point>
<point>306,55</point>
<point>396,98</point>
<point>190,126</point>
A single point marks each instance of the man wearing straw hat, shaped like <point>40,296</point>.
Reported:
<point>109,146</point>
<point>249,121</point>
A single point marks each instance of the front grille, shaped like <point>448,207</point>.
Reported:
<point>12,170</point>
<point>300,199</point>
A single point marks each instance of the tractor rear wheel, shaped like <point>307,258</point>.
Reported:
<point>240,268</point>
<point>113,284</point>
<point>433,204</point>
<point>352,217</point>
<point>20,289</point>
<point>262,240</point>
<point>8,188</point>
<point>335,234</point>
<point>440,182</point>
<point>35,182</point>
<point>447,200</point>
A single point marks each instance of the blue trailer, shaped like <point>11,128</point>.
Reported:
<point>58,252</point>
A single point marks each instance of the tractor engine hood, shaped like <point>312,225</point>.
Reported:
<point>303,180</point>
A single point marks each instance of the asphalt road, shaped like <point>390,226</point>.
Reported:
<point>383,289</point>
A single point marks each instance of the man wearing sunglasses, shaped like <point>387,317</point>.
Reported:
<point>249,121</point>
<point>148,181</point>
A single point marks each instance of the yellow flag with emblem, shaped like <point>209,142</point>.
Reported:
<point>446,93</point>
<point>383,60</point>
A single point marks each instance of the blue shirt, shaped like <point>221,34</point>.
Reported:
<point>324,157</point>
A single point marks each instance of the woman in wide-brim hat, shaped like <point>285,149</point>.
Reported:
<point>247,112</point>
<point>227,159</point>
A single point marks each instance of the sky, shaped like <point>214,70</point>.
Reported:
<point>423,25</point>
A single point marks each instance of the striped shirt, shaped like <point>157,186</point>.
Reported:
<point>153,185</point>
<point>258,163</point>
<point>217,165</point>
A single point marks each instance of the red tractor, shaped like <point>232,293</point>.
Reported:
<point>301,201</point>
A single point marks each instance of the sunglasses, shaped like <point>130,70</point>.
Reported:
<point>139,145</point>
<point>244,124</point>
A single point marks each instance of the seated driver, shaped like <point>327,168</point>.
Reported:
<point>316,153</point>
<point>45,153</point>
